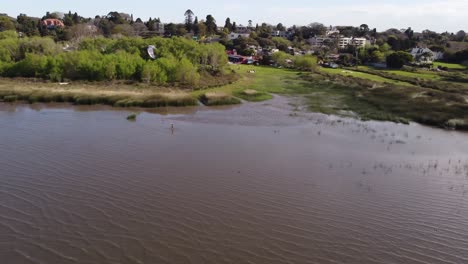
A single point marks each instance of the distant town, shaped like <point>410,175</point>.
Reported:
<point>253,42</point>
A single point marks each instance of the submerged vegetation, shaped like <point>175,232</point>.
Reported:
<point>253,95</point>
<point>132,117</point>
<point>218,98</point>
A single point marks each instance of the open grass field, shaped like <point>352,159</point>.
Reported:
<point>451,66</point>
<point>362,75</point>
<point>421,74</point>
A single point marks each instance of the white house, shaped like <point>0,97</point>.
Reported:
<point>356,42</point>
<point>279,33</point>
<point>425,55</point>
<point>342,41</point>
<point>319,41</point>
<point>332,30</point>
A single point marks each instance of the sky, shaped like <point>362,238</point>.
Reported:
<point>436,15</point>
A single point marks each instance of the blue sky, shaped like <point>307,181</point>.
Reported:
<point>438,15</point>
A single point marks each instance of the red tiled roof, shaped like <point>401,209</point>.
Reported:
<point>51,22</point>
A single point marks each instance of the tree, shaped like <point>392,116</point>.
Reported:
<point>281,43</point>
<point>124,29</point>
<point>228,25</point>
<point>250,23</point>
<point>170,29</point>
<point>461,35</point>
<point>115,17</point>
<point>80,31</point>
<point>181,30</point>
<point>280,27</point>
<point>264,31</point>
<point>364,27</point>
<point>76,18</point>
<point>201,29</point>
<point>377,56</point>
<point>139,28</point>
<point>196,27</point>
<point>316,29</point>
<point>397,59</point>
<point>210,25</point>
<point>6,24</point>
<point>50,15</point>
<point>28,25</point>
<point>189,19</point>
<point>234,26</point>
<point>409,33</point>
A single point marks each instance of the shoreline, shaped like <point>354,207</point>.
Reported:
<point>323,91</point>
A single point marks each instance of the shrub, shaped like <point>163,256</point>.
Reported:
<point>306,63</point>
<point>397,59</point>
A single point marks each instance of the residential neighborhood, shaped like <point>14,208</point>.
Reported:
<point>340,45</point>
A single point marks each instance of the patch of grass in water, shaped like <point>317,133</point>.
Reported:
<point>253,95</point>
<point>132,117</point>
<point>218,98</point>
<point>10,98</point>
<point>385,102</point>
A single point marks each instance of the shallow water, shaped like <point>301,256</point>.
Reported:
<point>249,184</point>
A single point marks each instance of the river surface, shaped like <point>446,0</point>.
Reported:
<point>257,183</point>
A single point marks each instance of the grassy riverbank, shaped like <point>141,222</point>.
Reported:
<point>120,95</point>
<point>361,93</point>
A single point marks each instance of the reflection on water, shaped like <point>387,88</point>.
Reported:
<point>248,184</point>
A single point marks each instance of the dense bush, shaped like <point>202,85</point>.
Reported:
<point>304,63</point>
<point>178,60</point>
<point>398,59</point>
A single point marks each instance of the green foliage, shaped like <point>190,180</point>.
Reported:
<point>37,45</point>
<point>281,43</point>
<point>6,23</point>
<point>398,59</point>
<point>9,49</point>
<point>282,59</point>
<point>27,25</point>
<point>131,117</point>
<point>97,59</point>
<point>9,34</point>
<point>33,65</point>
<point>213,99</point>
<point>187,73</point>
<point>153,72</point>
<point>305,63</point>
<point>128,66</point>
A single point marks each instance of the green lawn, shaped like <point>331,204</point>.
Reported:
<point>265,80</point>
<point>451,66</point>
<point>362,75</point>
<point>419,74</point>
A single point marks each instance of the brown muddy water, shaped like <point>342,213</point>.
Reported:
<point>250,184</point>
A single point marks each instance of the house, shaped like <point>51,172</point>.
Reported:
<point>332,31</point>
<point>425,55</point>
<point>356,42</point>
<point>319,41</point>
<point>52,23</point>
<point>278,33</point>
<point>242,29</point>
<point>233,35</point>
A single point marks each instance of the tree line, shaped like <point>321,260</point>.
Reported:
<point>178,60</point>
